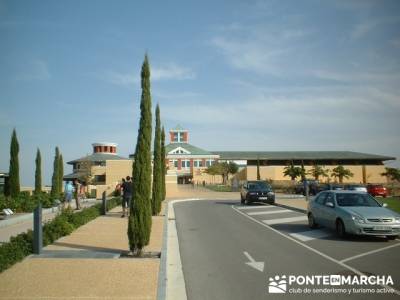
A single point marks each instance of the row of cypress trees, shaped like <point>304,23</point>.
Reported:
<point>13,187</point>
<point>147,193</point>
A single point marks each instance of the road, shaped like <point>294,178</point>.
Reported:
<point>218,238</point>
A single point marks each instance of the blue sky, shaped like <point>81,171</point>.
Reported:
<point>255,75</point>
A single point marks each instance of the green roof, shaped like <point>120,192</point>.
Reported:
<point>299,155</point>
<point>192,149</point>
<point>98,157</point>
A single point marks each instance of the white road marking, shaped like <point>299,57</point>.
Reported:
<point>269,212</point>
<point>258,265</point>
<point>311,234</point>
<point>312,249</point>
<point>285,220</point>
<point>370,252</point>
<point>253,207</point>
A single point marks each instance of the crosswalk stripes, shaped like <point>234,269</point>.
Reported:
<point>266,210</point>
<point>270,212</point>
<point>311,234</point>
<point>254,207</point>
<point>285,220</point>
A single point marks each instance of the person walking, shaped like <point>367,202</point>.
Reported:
<point>68,190</point>
<point>77,188</point>
<point>126,195</point>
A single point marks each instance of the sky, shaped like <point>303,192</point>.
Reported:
<point>239,75</point>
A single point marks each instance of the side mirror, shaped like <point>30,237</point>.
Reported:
<point>384,205</point>
<point>330,204</point>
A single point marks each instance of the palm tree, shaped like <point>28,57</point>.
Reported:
<point>318,171</point>
<point>340,172</point>
<point>392,174</point>
<point>292,171</point>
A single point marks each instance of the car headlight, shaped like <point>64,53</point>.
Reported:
<point>271,193</point>
<point>358,219</point>
<point>397,220</point>
<point>252,193</point>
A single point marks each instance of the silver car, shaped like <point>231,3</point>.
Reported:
<point>351,212</point>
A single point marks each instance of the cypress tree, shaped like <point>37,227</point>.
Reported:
<point>38,172</point>
<point>163,169</point>
<point>258,170</point>
<point>60,173</point>
<point>139,223</point>
<point>13,188</point>
<point>55,192</point>
<point>156,196</point>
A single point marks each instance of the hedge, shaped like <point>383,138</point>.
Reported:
<point>25,202</point>
<point>21,245</point>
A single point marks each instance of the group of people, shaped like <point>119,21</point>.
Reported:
<point>75,190</point>
<point>125,188</point>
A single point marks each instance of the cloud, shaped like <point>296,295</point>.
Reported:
<point>262,48</point>
<point>366,26</point>
<point>124,79</point>
<point>34,70</point>
<point>171,71</point>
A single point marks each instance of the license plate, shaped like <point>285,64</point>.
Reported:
<point>382,228</point>
<point>263,198</point>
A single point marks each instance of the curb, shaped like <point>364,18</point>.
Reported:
<point>301,210</point>
<point>171,282</point>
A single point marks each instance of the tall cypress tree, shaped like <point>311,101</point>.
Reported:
<point>55,192</point>
<point>139,223</point>
<point>156,196</point>
<point>13,187</point>
<point>60,173</point>
<point>163,169</point>
<point>38,172</point>
<point>258,170</point>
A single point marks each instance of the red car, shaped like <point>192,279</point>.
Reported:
<point>377,190</point>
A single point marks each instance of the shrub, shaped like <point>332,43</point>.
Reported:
<point>21,245</point>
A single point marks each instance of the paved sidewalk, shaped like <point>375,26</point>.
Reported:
<point>86,265</point>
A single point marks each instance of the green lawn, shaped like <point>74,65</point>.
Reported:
<point>392,202</point>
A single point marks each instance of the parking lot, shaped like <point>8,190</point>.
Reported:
<point>368,255</point>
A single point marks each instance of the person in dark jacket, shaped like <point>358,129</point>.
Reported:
<point>126,195</point>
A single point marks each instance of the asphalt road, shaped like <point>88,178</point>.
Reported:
<point>218,238</point>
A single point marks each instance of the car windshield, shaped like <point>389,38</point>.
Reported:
<point>258,186</point>
<point>356,200</point>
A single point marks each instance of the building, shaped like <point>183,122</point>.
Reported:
<point>3,181</point>
<point>188,163</point>
<point>367,168</point>
<point>102,170</point>
<point>185,162</point>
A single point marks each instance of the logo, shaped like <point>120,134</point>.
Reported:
<point>277,284</point>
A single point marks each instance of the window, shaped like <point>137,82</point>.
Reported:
<point>186,163</point>
<point>175,163</point>
<point>198,163</point>
<point>175,137</point>
<point>180,137</point>
<point>321,198</point>
<point>99,178</point>
<point>209,162</point>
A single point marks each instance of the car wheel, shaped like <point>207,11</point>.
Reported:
<point>340,229</point>
<point>246,201</point>
<point>391,237</point>
<point>241,199</point>
<point>311,221</point>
